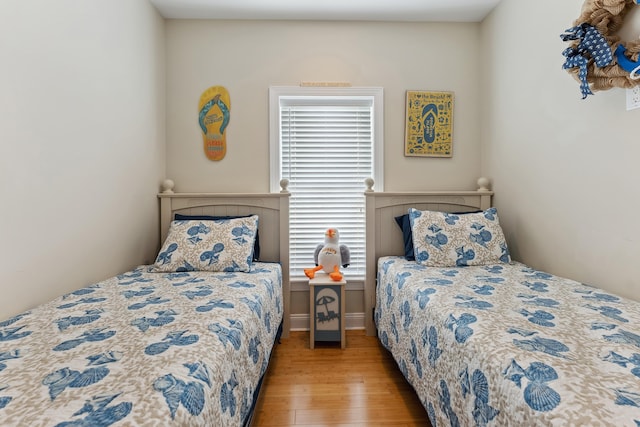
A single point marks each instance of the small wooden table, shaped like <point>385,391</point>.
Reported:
<point>326,310</point>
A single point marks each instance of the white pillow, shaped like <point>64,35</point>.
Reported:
<point>200,245</point>
<point>455,240</point>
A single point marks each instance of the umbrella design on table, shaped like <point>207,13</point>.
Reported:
<point>326,300</point>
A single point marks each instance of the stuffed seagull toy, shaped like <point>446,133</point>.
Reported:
<point>330,256</point>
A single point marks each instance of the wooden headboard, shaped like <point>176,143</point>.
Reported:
<point>384,237</point>
<point>273,224</point>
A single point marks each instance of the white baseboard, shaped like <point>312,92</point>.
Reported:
<point>300,322</point>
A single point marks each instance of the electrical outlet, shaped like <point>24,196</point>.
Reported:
<point>633,98</point>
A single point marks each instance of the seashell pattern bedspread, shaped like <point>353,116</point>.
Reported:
<point>143,349</point>
<point>505,344</point>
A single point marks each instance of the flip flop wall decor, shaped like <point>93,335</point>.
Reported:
<point>214,110</point>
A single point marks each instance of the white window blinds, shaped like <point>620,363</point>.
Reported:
<point>326,153</point>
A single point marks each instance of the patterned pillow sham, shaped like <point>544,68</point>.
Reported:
<point>219,245</point>
<point>256,245</point>
<point>449,240</point>
<point>405,225</point>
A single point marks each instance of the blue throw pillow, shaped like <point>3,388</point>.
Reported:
<point>405,225</point>
<point>256,245</point>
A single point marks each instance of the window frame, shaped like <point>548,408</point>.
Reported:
<point>291,95</point>
<point>276,93</point>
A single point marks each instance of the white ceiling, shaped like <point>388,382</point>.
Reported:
<point>329,10</point>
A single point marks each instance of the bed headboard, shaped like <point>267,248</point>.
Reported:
<point>273,225</point>
<point>384,237</point>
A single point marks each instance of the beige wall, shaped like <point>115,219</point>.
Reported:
<point>81,143</point>
<point>565,170</point>
<point>82,136</point>
<point>249,56</point>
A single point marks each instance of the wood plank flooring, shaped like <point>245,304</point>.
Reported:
<point>360,385</point>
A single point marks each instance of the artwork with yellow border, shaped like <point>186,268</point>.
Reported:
<point>429,124</point>
<point>214,110</point>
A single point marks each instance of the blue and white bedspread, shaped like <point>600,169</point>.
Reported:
<point>506,345</point>
<point>154,349</point>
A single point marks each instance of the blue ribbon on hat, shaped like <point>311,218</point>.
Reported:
<point>592,45</point>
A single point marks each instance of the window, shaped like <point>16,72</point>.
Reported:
<point>326,142</point>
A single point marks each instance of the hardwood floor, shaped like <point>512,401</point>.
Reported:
<point>360,385</point>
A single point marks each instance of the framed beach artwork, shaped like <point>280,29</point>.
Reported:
<point>429,124</point>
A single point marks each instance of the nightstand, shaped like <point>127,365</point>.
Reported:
<point>326,310</point>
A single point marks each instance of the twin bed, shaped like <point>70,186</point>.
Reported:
<point>485,340</point>
<point>185,341</point>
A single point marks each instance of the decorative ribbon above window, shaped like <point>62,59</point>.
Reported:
<point>597,57</point>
